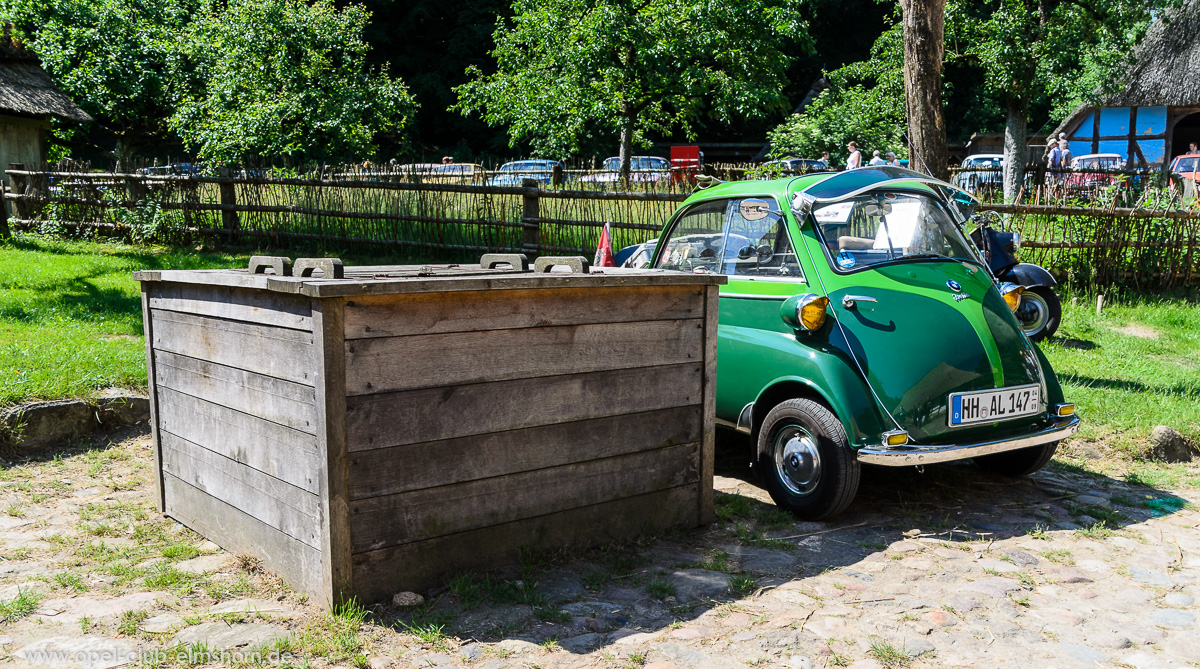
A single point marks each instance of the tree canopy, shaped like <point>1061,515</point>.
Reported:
<point>576,72</point>
<point>283,78</point>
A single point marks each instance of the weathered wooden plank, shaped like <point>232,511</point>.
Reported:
<point>431,414</point>
<point>427,361</point>
<point>708,448</point>
<point>239,304</point>
<point>148,331</point>
<point>422,565</point>
<point>414,314</point>
<point>392,470</point>
<point>278,352</point>
<point>612,276</point>
<point>330,363</point>
<point>423,514</point>
<point>276,400</point>
<point>280,505</point>
<point>298,563</point>
<point>288,455</point>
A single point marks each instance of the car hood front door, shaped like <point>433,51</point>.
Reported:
<point>923,330</point>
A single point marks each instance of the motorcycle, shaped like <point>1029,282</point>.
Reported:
<point>1040,310</point>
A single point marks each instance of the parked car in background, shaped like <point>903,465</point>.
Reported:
<point>513,173</point>
<point>1185,174</point>
<point>980,171</point>
<point>1091,171</point>
<point>170,169</point>
<point>799,165</point>
<point>651,169</point>
<point>455,173</point>
<point>860,326</point>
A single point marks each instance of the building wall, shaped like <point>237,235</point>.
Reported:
<point>22,140</point>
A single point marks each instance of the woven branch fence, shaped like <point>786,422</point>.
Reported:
<point>1150,246</point>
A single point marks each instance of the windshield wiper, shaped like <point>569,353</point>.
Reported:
<point>907,256</point>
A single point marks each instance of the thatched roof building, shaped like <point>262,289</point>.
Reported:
<point>1156,114</point>
<point>26,89</point>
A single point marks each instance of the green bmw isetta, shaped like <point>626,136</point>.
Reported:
<point>859,325</point>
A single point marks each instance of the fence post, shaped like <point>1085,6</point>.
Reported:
<point>556,176</point>
<point>229,218</point>
<point>5,233</point>
<point>530,213</point>
<point>18,188</point>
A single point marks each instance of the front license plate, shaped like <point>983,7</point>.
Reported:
<point>988,406</point>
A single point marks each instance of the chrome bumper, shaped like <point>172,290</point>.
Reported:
<point>912,454</point>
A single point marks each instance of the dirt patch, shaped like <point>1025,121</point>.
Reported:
<point>950,567</point>
<point>1137,330</point>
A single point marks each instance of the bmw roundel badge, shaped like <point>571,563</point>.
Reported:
<point>954,286</point>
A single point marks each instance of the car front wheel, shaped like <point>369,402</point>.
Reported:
<point>1021,462</point>
<point>806,461</point>
<point>1040,312</point>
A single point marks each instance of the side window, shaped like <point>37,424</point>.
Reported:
<point>696,242</point>
<point>757,244</point>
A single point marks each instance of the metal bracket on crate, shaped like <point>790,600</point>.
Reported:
<point>280,265</point>
<point>330,268</point>
<point>518,261</point>
<point>577,264</point>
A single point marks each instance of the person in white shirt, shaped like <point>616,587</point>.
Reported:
<point>876,159</point>
<point>892,159</point>
<point>855,160</point>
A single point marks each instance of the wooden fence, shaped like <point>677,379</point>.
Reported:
<point>1152,245</point>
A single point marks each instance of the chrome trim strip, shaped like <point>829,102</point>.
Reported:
<point>721,422</point>
<point>926,455</point>
<point>749,296</point>
<point>745,422</point>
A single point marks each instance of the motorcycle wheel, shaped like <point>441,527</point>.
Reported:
<point>1040,312</point>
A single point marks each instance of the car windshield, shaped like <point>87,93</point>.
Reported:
<point>1101,162</point>
<point>1186,165</point>
<point>987,162</point>
<point>881,227</point>
<point>452,169</point>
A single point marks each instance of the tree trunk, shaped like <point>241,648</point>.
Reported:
<point>924,30</point>
<point>1015,152</point>
<point>626,150</point>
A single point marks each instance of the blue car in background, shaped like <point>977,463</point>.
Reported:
<point>511,174</point>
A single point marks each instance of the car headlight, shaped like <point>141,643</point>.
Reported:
<point>1012,294</point>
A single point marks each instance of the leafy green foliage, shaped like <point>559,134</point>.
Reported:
<point>571,74</point>
<point>864,104</point>
<point>113,57</point>
<point>284,78</point>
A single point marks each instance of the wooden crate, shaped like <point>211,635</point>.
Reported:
<point>366,435</point>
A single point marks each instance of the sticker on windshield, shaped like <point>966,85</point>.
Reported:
<point>845,260</point>
<point>754,210</point>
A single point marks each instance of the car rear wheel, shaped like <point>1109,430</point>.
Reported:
<point>805,460</point>
<point>1021,462</point>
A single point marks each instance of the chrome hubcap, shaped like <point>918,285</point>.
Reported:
<point>797,460</point>
<point>1033,312</point>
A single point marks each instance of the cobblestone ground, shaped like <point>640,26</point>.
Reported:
<point>944,568</point>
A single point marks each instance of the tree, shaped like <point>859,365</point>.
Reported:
<point>567,69</point>
<point>865,103</point>
<point>1062,49</point>
<point>924,32</point>
<point>113,57</point>
<point>283,78</point>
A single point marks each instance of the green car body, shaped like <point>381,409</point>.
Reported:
<point>896,344</point>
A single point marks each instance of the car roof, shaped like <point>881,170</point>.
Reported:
<point>1099,155</point>
<point>1188,155</point>
<point>989,156</point>
<point>827,186</point>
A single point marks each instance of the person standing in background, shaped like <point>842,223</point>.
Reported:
<point>876,159</point>
<point>855,160</point>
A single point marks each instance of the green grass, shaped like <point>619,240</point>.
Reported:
<point>24,604</point>
<point>71,314</point>
<point>1123,384</point>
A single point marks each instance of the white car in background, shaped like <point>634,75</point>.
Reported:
<point>650,169</point>
<point>981,171</point>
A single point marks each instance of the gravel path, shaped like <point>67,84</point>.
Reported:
<point>942,569</point>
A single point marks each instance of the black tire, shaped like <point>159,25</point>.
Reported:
<point>816,430</point>
<point>1040,312</point>
<point>1021,462</point>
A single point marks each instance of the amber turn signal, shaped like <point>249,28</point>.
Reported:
<point>895,438</point>
<point>1012,295</point>
<point>812,312</point>
<point>1061,410</point>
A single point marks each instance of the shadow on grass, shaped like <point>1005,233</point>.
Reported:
<point>1182,390</point>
